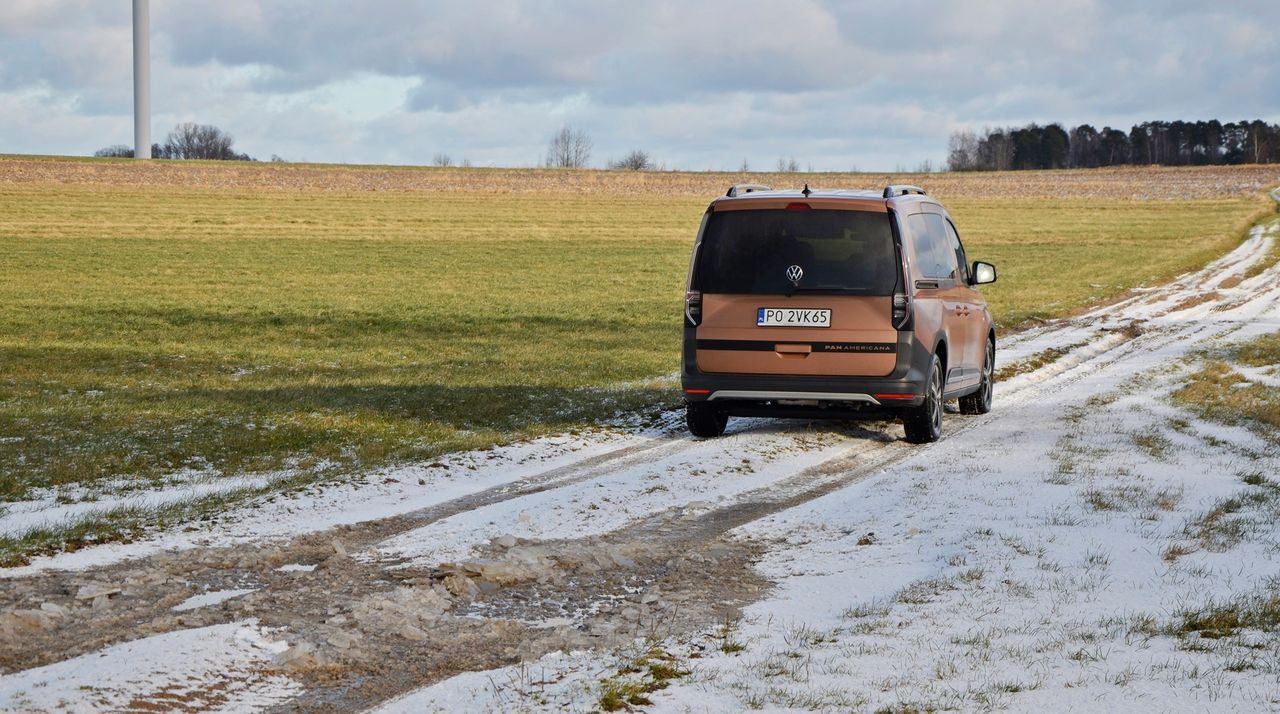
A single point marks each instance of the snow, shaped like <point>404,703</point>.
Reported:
<point>380,494</point>
<point>696,476</point>
<point>1021,565</point>
<point>22,516</point>
<point>508,690</point>
<point>1269,375</point>
<point>218,669</point>
<point>1028,573</point>
<point>210,598</point>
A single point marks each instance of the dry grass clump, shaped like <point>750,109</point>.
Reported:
<point>1125,183</point>
<point>1220,392</point>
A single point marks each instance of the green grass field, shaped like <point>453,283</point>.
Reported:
<point>1055,257</point>
<point>146,330</point>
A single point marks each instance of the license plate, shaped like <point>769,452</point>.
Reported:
<point>792,317</point>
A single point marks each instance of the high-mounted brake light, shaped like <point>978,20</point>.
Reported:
<point>693,308</point>
<point>797,206</point>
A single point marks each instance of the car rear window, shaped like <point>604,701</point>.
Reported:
<point>750,252</point>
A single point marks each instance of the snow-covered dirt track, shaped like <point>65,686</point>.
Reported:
<point>849,569</point>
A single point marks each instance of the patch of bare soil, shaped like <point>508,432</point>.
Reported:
<point>346,615</point>
<point>1194,300</point>
<point>347,618</point>
<point>1144,183</point>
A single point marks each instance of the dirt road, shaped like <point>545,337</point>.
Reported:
<point>352,597</point>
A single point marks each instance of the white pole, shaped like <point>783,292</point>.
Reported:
<point>141,79</point>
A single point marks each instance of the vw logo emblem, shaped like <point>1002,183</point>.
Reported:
<point>794,273</point>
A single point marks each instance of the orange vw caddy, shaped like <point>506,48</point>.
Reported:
<point>834,304</point>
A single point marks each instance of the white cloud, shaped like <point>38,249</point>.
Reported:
<point>699,85</point>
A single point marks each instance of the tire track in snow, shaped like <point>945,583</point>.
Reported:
<point>1105,345</point>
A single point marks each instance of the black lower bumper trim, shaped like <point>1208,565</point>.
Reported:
<point>759,409</point>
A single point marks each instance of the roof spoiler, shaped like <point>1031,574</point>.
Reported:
<point>902,190</point>
<point>740,188</point>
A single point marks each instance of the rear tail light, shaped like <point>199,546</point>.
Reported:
<point>693,308</point>
<point>902,311</point>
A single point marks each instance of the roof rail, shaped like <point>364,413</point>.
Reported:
<point>741,188</point>
<point>901,190</point>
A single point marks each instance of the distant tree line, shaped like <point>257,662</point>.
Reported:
<point>187,141</point>
<point>1176,143</point>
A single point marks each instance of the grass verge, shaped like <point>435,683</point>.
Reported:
<point>1040,359</point>
<point>1222,392</point>
<point>1273,254</point>
<point>652,671</point>
<point>1271,258</point>
<point>1260,611</point>
<point>126,523</point>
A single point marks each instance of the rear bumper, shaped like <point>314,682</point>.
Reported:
<point>810,396</point>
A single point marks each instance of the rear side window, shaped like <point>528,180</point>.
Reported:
<point>935,257</point>
<point>750,253</point>
<point>958,247</point>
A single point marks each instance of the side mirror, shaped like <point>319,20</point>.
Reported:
<point>983,273</point>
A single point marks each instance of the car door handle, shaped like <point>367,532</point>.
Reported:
<point>793,351</point>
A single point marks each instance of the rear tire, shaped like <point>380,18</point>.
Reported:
<point>923,424</point>
<point>704,420</point>
<point>980,401</point>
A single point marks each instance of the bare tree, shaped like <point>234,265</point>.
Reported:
<point>962,151</point>
<point>200,141</point>
<point>995,150</point>
<point>442,159</point>
<point>788,166</point>
<point>569,148</point>
<point>745,167</point>
<point>637,160</point>
<point>116,151</point>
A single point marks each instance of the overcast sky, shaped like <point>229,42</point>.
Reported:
<point>699,85</point>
